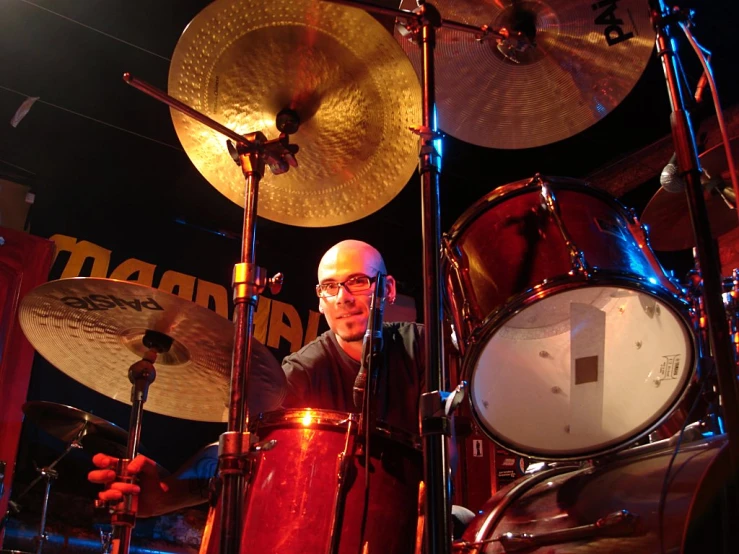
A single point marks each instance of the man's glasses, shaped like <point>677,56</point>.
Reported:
<point>356,284</point>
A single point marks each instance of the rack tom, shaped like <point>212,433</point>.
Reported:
<point>574,340</point>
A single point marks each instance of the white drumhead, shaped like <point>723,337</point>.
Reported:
<point>580,371</point>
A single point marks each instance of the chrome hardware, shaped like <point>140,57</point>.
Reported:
<point>549,203</point>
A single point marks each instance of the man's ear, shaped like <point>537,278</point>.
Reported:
<point>390,289</point>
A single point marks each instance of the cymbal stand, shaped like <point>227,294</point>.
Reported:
<point>423,23</point>
<point>141,374</point>
<point>49,474</point>
<point>663,20</point>
<point>252,153</point>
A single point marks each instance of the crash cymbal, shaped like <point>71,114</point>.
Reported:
<point>355,92</point>
<point>585,58</point>
<point>68,423</point>
<point>667,214</point>
<point>92,329</point>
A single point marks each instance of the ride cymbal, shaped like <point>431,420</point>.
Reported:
<point>667,214</point>
<point>354,91</point>
<point>92,329</point>
<point>579,62</point>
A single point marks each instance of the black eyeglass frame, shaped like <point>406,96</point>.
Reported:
<point>319,287</point>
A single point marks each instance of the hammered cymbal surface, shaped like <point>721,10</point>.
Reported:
<point>92,329</point>
<point>355,91</point>
<point>568,81</point>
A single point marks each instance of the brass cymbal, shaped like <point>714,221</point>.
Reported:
<point>569,80</point>
<point>355,92</point>
<point>68,423</point>
<point>92,329</point>
<point>667,214</point>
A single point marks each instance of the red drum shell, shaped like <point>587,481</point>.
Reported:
<point>512,290</point>
<point>557,500</point>
<point>290,499</point>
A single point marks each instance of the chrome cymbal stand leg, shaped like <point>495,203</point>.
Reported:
<point>49,474</point>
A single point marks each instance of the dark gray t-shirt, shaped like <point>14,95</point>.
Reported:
<point>321,376</point>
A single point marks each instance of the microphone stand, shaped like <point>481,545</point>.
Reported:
<point>435,425</point>
<point>371,361</point>
<point>718,332</point>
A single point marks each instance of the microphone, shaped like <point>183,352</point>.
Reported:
<point>372,342</point>
<point>670,179</point>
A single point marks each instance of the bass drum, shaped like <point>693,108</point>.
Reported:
<point>574,341</point>
<point>632,503</point>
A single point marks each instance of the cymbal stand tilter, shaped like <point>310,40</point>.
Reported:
<point>48,474</point>
<point>664,20</point>
<point>141,374</point>
<point>252,153</point>
<point>423,23</point>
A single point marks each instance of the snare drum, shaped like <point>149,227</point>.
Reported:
<point>290,498</point>
<point>574,340</point>
<point>635,502</point>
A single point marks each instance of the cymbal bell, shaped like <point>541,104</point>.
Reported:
<point>578,62</point>
<point>667,214</point>
<point>68,424</point>
<point>92,329</point>
<point>355,93</point>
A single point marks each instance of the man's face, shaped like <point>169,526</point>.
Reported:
<point>347,313</point>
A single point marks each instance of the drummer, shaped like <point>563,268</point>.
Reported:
<point>321,375</point>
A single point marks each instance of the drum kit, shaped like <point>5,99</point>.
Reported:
<point>574,341</point>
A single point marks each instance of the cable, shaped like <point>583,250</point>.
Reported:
<point>665,482</point>
<point>703,55</point>
<point>96,30</point>
<point>95,120</point>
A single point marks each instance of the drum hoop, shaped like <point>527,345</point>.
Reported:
<point>511,190</point>
<point>492,323</point>
<point>296,417</point>
<point>513,492</point>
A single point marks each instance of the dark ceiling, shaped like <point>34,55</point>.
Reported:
<point>98,147</point>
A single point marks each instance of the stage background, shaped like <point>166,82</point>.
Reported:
<point>108,174</point>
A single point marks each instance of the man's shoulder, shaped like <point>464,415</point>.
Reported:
<point>319,347</point>
<point>404,328</point>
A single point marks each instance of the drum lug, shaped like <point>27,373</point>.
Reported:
<point>550,205</point>
<point>263,446</point>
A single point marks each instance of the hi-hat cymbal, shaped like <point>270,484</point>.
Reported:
<point>68,423</point>
<point>667,214</point>
<point>586,57</point>
<point>92,329</point>
<point>355,92</point>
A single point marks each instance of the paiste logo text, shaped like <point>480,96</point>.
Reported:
<point>97,302</point>
<point>614,25</point>
<point>274,321</point>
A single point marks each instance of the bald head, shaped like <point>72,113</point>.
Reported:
<point>347,313</point>
<point>350,254</point>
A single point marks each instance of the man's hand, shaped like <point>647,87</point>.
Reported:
<point>150,489</point>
